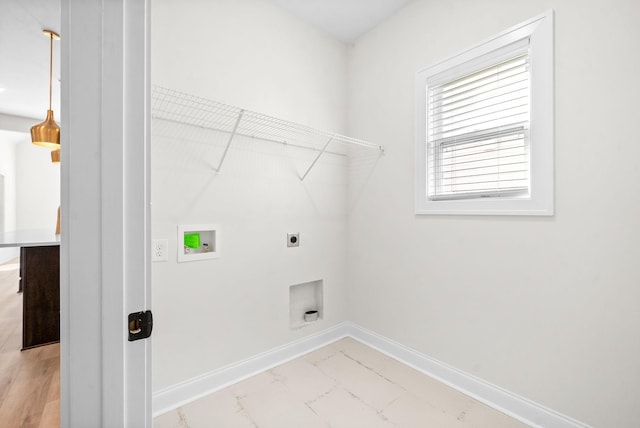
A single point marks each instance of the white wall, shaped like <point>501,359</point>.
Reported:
<point>544,307</point>
<point>32,186</point>
<point>37,187</point>
<point>253,55</point>
<point>8,170</point>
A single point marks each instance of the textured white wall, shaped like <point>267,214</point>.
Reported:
<point>544,307</point>
<point>254,55</point>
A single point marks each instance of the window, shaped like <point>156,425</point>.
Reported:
<point>477,133</point>
<point>485,127</point>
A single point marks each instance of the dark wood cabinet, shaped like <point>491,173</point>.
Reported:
<point>40,281</point>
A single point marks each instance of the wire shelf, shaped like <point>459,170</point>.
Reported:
<point>186,109</point>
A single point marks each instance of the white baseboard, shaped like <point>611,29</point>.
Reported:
<point>520,408</point>
<point>500,399</point>
<point>170,398</point>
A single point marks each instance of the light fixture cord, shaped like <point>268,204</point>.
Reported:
<point>50,68</point>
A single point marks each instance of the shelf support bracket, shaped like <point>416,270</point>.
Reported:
<point>317,157</point>
<point>233,134</point>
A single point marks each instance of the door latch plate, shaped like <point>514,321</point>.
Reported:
<point>140,325</point>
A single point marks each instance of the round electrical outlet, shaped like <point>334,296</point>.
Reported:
<point>293,239</point>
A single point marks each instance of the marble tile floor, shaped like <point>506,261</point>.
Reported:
<point>343,385</point>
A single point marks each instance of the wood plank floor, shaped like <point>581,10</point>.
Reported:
<point>29,380</point>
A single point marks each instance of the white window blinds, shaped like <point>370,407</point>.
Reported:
<point>478,133</point>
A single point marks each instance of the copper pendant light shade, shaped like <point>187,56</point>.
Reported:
<point>55,156</point>
<point>47,133</point>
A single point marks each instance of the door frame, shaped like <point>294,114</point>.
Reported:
<point>105,269</point>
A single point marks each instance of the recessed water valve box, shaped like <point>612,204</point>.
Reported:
<point>293,239</point>
<point>198,242</point>
<point>305,304</point>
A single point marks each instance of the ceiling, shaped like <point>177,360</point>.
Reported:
<point>24,49</point>
<point>346,20</point>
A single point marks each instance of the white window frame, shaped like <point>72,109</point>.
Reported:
<point>540,201</point>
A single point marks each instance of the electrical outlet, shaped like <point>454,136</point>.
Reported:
<point>293,239</point>
<point>159,250</point>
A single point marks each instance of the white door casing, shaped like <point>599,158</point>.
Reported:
<point>105,270</point>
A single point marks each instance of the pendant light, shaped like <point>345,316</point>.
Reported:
<point>47,133</point>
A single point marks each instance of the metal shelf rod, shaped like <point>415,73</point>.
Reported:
<point>233,134</point>
<point>191,110</point>
<point>316,159</point>
<point>253,136</point>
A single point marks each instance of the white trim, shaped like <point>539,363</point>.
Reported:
<point>493,396</point>
<point>104,379</point>
<point>490,44</point>
<point>498,398</point>
<point>540,32</point>
<point>135,47</point>
<point>175,396</point>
